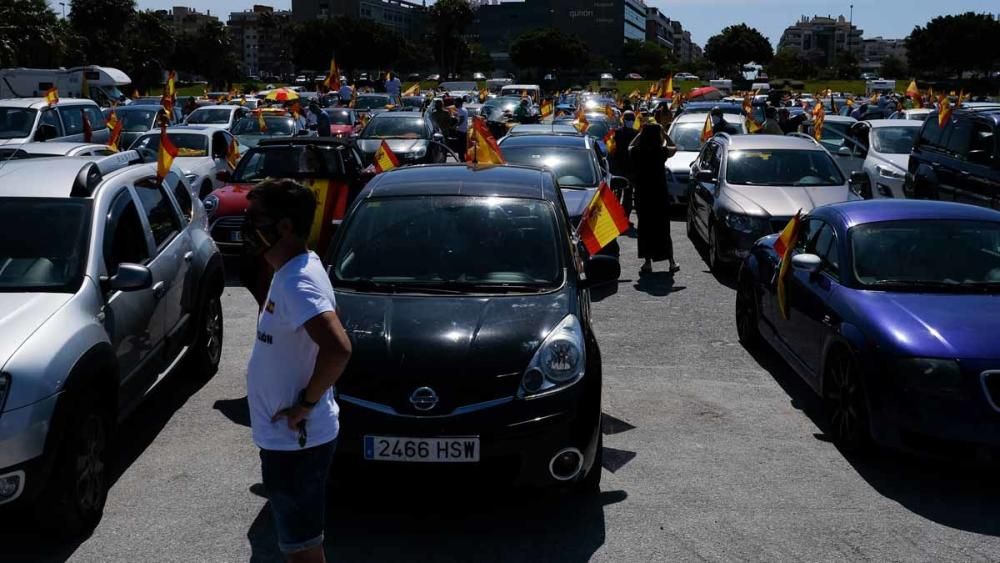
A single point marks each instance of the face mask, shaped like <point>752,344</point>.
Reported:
<point>259,238</point>
<point>629,123</point>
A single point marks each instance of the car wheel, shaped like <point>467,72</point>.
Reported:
<point>207,349</point>
<point>847,407</point>
<point>591,483</point>
<point>747,311</point>
<point>73,502</point>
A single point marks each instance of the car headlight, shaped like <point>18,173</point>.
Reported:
<point>559,361</point>
<point>418,153</point>
<point>928,373</point>
<point>4,388</point>
<point>211,203</point>
<point>746,223</point>
<point>886,172</point>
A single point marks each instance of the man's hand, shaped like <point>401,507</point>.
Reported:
<point>295,414</point>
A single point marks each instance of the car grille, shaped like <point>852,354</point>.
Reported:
<point>991,385</point>
<point>223,228</point>
<point>454,393</point>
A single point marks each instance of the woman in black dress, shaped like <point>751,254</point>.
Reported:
<point>649,152</point>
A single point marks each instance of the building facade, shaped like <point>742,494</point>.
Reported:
<point>186,20</point>
<point>659,29</point>
<point>406,18</point>
<point>260,36</point>
<point>822,38</point>
<point>877,49</point>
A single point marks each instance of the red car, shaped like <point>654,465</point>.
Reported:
<point>344,122</point>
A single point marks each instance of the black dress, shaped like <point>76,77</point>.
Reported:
<point>652,202</point>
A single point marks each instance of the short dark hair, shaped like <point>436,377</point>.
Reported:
<point>286,199</point>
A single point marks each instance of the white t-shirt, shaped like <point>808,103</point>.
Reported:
<point>284,356</point>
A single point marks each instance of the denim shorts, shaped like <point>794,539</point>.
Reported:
<point>295,484</point>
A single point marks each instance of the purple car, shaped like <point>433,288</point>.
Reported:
<point>893,318</point>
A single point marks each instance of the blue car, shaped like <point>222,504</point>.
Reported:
<point>893,319</point>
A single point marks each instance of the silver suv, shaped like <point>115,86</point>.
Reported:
<point>108,281</point>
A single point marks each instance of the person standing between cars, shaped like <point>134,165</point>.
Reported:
<point>189,106</point>
<point>770,125</point>
<point>300,352</point>
<point>345,94</point>
<point>523,111</point>
<point>442,118</point>
<point>322,120</point>
<point>663,115</point>
<point>621,164</point>
<point>719,123</point>
<point>462,128</point>
<point>790,124</point>
<point>649,152</point>
<point>393,87</point>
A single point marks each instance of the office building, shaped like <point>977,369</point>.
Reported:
<point>406,18</point>
<point>185,20</point>
<point>260,36</point>
<point>821,38</point>
<point>877,49</point>
<point>659,29</point>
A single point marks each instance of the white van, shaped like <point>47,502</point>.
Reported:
<point>534,91</point>
<point>724,86</point>
<point>880,86</point>
<point>103,84</point>
<point>24,120</point>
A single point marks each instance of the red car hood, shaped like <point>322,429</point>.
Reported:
<point>232,199</point>
<point>341,129</point>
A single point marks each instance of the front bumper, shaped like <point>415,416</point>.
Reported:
<point>735,245</point>
<point>518,438</point>
<point>23,432</point>
<point>227,232</point>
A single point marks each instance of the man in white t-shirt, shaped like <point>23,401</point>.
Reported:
<point>300,351</point>
<point>461,127</point>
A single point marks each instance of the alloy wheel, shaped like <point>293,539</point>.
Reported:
<point>213,330</point>
<point>89,462</point>
<point>846,403</point>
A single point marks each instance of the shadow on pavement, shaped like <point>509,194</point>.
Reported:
<point>385,522</point>
<point>657,284</point>
<point>236,410</point>
<point>964,495</point>
<point>22,540</point>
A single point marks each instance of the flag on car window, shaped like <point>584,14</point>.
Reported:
<point>819,118</point>
<point>706,130</point>
<point>166,155</point>
<point>233,153</point>
<point>752,125</point>
<point>483,147</point>
<point>783,247</point>
<point>944,111</point>
<point>261,123</point>
<point>610,112</point>
<point>115,125</point>
<point>88,130</point>
<point>609,141</point>
<point>667,87</point>
<point>413,90</point>
<point>546,109</point>
<point>913,92</point>
<point>52,96</point>
<point>385,159</point>
<point>581,122</point>
<point>603,220</point>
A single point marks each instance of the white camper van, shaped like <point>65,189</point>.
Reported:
<point>723,85</point>
<point>103,84</point>
<point>880,86</point>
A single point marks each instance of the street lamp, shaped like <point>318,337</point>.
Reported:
<point>63,4</point>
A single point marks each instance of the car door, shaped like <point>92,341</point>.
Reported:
<point>169,263</point>
<point>810,314</point>
<point>72,119</point>
<point>706,192</point>
<point>128,315</point>
<point>981,175</point>
<point>49,116</point>
<point>951,164</point>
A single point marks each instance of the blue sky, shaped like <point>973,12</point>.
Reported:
<point>704,18</point>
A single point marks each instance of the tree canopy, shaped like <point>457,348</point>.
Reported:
<point>951,45</point>
<point>893,67</point>
<point>736,46</point>
<point>449,20</point>
<point>549,49</point>
<point>648,58</point>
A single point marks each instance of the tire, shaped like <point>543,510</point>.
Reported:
<point>846,403</point>
<point>747,311</point>
<point>591,483</point>
<point>715,263</point>
<point>206,349</point>
<point>73,501</point>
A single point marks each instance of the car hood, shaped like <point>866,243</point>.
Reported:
<point>21,314</point>
<point>931,325</point>
<point>577,200</point>
<point>901,161</point>
<point>785,201</point>
<point>232,200</point>
<point>341,129</point>
<point>468,349</point>
<point>398,146</point>
<point>681,161</point>
<point>5,142</point>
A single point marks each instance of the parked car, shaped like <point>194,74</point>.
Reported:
<point>372,104</point>
<point>137,119</point>
<point>685,132</point>
<point>959,162</point>
<point>109,281</point>
<point>412,137</point>
<point>202,155</point>
<point>46,150</point>
<point>23,120</point>
<point>744,187</point>
<point>552,128</point>
<point>919,114</point>
<point>892,315</point>
<point>881,150</point>
<point>344,122</point>
<point>493,365</point>
<point>217,117</point>
<point>276,124</point>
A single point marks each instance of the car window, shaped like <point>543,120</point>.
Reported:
<point>124,237</point>
<point>303,161</point>
<point>95,117</point>
<point>49,250</point>
<point>160,212</point>
<point>50,117</point>
<point>807,235</point>
<point>182,195</point>
<point>782,167</point>
<point>573,167</point>
<point>960,138</point>
<point>983,138</point>
<point>824,245</point>
<point>932,135</point>
<point>72,118</point>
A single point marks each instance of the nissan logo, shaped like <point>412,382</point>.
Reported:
<point>424,399</point>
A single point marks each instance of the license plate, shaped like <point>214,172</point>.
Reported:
<point>435,450</point>
<point>236,236</point>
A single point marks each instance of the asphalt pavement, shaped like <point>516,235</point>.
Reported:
<point>711,453</point>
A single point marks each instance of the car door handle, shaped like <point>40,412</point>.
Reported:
<point>935,165</point>
<point>189,255</point>
<point>827,320</point>
<point>159,289</point>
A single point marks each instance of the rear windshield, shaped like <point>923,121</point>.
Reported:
<point>371,102</point>
<point>395,128</point>
<point>572,167</point>
<point>209,116</point>
<point>782,168</point>
<point>49,252</point>
<point>138,120</point>
<point>302,161</point>
<point>275,126</point>
<point>187,145</point>
<point>894,140</point>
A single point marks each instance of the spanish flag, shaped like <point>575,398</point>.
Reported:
<point>88,129</point>
<point>608,111</point>
<point>354,96</point>
<point>783,248</point>
<point>483,147</point>
<point>115,126</point>
<point>961,95</point>
<point>913,92</point>
<point>819,118</point>
<point>261,123</point>
<point>667,88</point>
<point>385,160</point>
<point>752,124</point>
<point>52,96</point>
<point>675,103</point>
<point>233,153</point>
<point>706,130</point>
<point>413,90</point>
<point>166,155</point>
<point>332,80</point>
<point>546,109</point>
<point>609,141</point>
<point>637,124</point>
<point>581,122</point>
<point>603,220</point>
<point>944,111</point>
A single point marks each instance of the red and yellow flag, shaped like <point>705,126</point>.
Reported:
<point>667,87</point>
<point>261,123</point>
<point>52,96</point>
<point>819,118</point>
<point>609,141</point>
<point>483,147</point>
<point>752,125</point>
<point>115,126</point>
<point>913,92</point>
<point>610,112</point>
<point>546,109</point>
<point>354,96</point>
<point>171,87</point>
<point>783,248</point>
<point>332,80</point>
<point>413,90</point>
<point>961,95</point>
<point>385,160</point>
<point>706,130</point>
<point>233,153</point>
<point>637,124</point>
<point>603,220</point>
<point>88,129</point>
<point>166,155</point>
<point>581,122</point>
<point>944,111</point>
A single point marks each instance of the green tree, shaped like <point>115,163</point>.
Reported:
<point>340,36</point>
<point>550,49</point>
<point>736,46</point>
<point>788,63</point>
<point>647,58</point>
<point>150,44</point>
<point>450,19</point>
<point>479,59</point>
<point>893,67</point>
<point>30,34</point>
<point>951,45</point>
<point>845,67</point>
<point>215,57</point>
<point>102,25</point>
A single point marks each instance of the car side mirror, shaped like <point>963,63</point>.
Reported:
<point>601,270</point>
<point>704,176</point>
<point>45,132</point>
<point>860,184</point>
<point>808,263</point>
<point>844,151</point>
<point>130,277</point>
<point>619,184</point>
<point>438,137</point>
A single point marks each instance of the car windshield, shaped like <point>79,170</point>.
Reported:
<point>766,167</point>
<point>371,102</point>
<point>395,128</point>
<point>209,116</point>
<point>928,254</point>
<point>834,134</point>
<point>487,244</point>
<point>413,102</point>
<point>598,129</point>
<point>894,140</point>
<point>49,246</point>
<point>458,86</point>
<point>187,145</point>
<point>340,117</point>
<point>16,123</point>
<point>275,126</point>
<point>303,161</point>
<point>687,136</point>
<point>136,120</point>
<point>572,167</point>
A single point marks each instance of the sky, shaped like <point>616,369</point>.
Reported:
<point>704,18</point>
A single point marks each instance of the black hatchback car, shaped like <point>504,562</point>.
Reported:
<point>468,308</point>
<point>958,162</point>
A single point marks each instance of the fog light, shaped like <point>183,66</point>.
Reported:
<point>532,380</point>
<point>566,464</point>
<point>11,485</point>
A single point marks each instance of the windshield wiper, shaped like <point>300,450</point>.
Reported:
<point>366,284</point>
<point>498,287</point>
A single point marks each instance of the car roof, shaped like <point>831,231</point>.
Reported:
<point>773,142</point>
<point>699,117</point>
<point>397,115</point>
<point>877,210</point>
<point>878,123</point>
<point>39,103</point>
<point>543,129</point>
<point>58,176</point>
<point>219,106</point>
<point>54,148</point>
<point>462,179</point>
<point>548,140</point>
<point>841,119</point>
<point>144,107</point>
<point>303,140</point>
